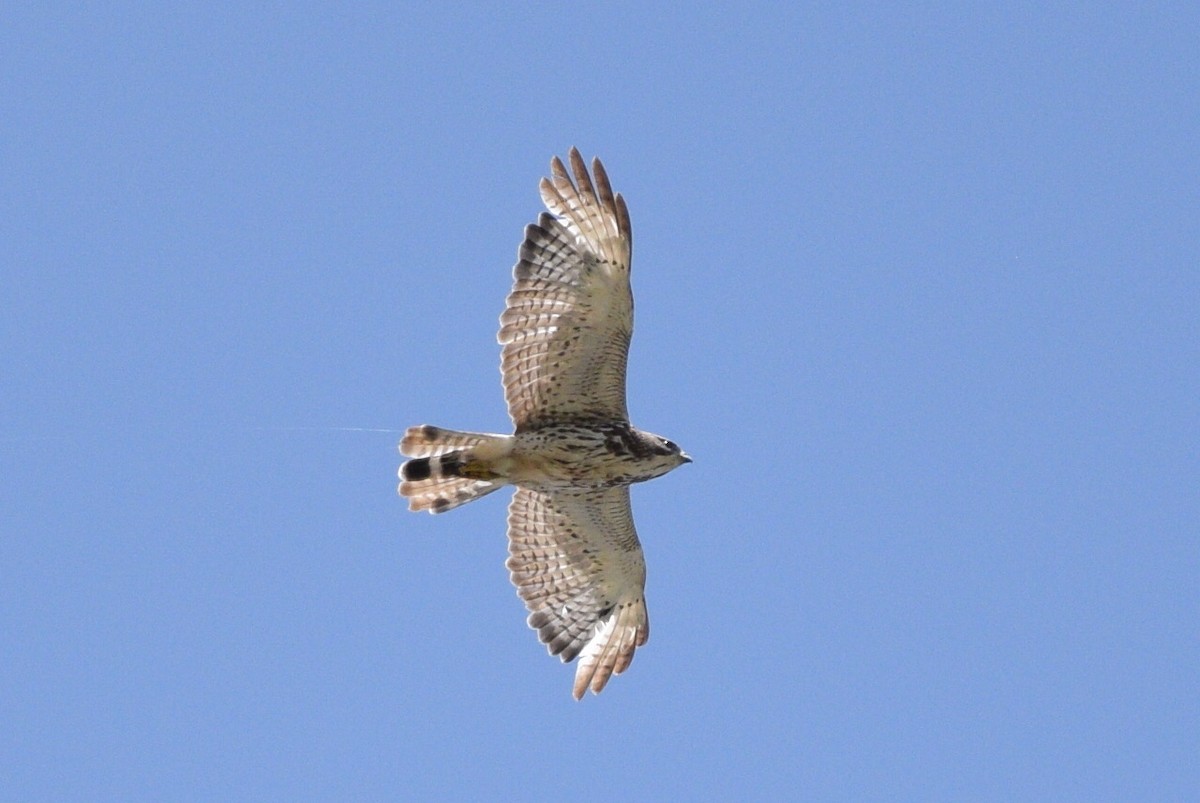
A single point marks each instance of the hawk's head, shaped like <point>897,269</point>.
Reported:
<point>661,455</point>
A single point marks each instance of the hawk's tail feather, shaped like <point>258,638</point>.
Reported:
<point>426,440</point>
<point>449,468</point>
<point>445,493</point>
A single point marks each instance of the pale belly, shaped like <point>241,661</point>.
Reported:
<point>560,467</point>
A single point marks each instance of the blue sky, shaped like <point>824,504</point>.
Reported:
<point>917,288</point>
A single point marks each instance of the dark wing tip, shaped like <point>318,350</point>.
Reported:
<point>557,169</point>
<point>623,221</point>
<point>583,180</point>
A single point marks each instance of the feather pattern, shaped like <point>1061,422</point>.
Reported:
<point>430,441</point>
<point>577,563</point>
<point>433,479</point>
<point>568,320</point>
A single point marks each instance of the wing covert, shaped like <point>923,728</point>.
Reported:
<point>568,320</point>
<point>577,563</point>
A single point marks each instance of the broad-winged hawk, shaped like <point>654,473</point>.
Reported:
<point>574,554</point>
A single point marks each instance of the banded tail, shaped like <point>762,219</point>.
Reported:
<point>449,468</point>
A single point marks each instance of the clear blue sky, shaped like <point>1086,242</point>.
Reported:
<point>917,288</point>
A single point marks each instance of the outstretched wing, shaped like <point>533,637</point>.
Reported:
<point>575,559</point>
<point>568,320</point>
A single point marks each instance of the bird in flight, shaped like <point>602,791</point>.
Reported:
<point>573,552</point>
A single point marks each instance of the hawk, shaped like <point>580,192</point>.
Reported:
<point>573,552</point>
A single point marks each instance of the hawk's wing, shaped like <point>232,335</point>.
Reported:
<point>567,322</point>
<point>575,559</point>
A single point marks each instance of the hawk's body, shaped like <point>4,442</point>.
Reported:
<point>574,554</point>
